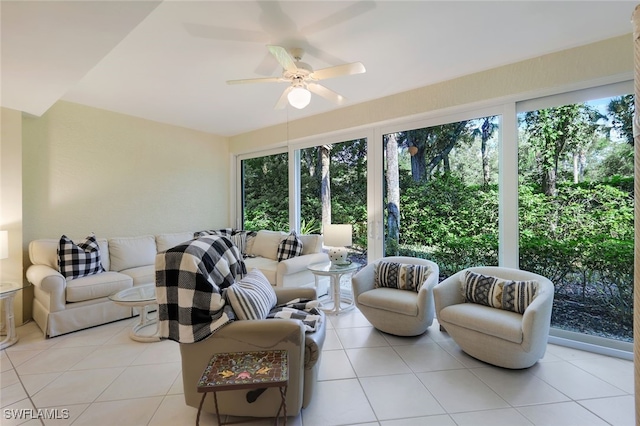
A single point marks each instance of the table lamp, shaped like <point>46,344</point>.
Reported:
<point>337,237</point>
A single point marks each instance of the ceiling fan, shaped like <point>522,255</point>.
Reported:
<point>303,78</point>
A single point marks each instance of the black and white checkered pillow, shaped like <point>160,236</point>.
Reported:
<point>289,247</point>
<point>79,260</point>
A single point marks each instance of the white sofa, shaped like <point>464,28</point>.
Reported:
<point>64,305</point>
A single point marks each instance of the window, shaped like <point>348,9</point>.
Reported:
<point>441,193</point>
<point>576,207</point>
<point>333,189</point>
<point>265,193</point>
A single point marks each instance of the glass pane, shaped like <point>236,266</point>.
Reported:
<point>576,211</point>
<point>265,193</point>
<point>441,194</point>
<point>333,189</point>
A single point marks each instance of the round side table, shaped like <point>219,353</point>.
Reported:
<point>342,301</point>
<point>7,293</point>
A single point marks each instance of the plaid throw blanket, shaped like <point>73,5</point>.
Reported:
<point>189,282</point>
<point>304,310</point>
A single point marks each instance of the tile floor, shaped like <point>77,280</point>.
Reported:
<point>101,377</point>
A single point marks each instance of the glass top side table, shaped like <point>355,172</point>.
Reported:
<point>8,291</point>
<point>341,300</point>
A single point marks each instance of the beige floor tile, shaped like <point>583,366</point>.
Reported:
<point>349,319</point>
<point>158,353</point>
<point>560,414</point>
<point>19,413</point>
<point>427,357</point>
<point>614,371</point>
<point>139,381</point>
<point>519,387</point>
<point>173,411</point>
<point>20,357</point>
<point>617,411</point>
<point>54,360</point>
<point>12,394</point>
<point>408,340</point>
<point>76,387</point>
<point>573,381</point>
<point>440,420</point>
<point>335,365</point>
<point>110,356</point>
<point>467,360</point>
<point>360,337</point>
<point>129,412</point>
<point>570,354</point>
<point>95,336</point>
<point>67,415</point>
<point>376,362</point>
<point>501,417</point>
<point>331,341</point>
<point>177,388</point>
<point>338,402</point>
<point>460,390</point>
<point>33,383</point>
<point>8,378</point>
<point>401,395</point>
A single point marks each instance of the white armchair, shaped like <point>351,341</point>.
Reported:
<point>399,312</point>
<point>496,336</point>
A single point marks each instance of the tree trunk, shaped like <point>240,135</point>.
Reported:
<point>486,134</point>
<point>325,187</point>
<point>393,193</point>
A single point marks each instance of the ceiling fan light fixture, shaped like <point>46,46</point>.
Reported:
<point>299,97</point>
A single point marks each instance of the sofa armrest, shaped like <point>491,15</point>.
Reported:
<point>299,263</point>
<point>363,280</point>
<point>285,295</point>
<point>50,286</point>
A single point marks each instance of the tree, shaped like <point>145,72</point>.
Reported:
<point>621,111</point>
<point>393,188</point>
<point>554,132</point>
<point>325,188</point>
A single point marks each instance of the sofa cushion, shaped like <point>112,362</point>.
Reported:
<point>311,243</point>
<point>79,260</point>
<point>517,295</point>
<point>131,252</point>
<point>268,267</point>
<point>266,243</point>
<point>389,299</point>
<point>96,286</point>
<point>252,297</point>
<point>499,323</point>
<point>482,289</point>
<point>289,247</point>
<point>401,276</point>
<point>141,274</point>
<point>165,241</point>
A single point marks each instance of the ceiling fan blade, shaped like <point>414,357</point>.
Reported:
<point>326,93</point>
<point>337,71</point>
<point>283,101</point>
<point>257,80</point>
<point>283,57</point>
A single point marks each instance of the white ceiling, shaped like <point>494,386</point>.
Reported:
<point>169,61</point>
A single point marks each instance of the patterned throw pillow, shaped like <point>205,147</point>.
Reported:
<point>252,297</point>
<point>517,295</point>
<point>482,289</point>
<point>401,276</point>
<point>289,247</point>
<point>79,260</point>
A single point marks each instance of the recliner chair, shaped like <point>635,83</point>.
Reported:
<point>304,350</point>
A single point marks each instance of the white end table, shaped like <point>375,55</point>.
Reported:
<point>143,297</point>
<point>7,293</point>
<point>341,300</point>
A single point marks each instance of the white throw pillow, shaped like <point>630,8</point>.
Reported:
<point>252,297</point>
<point>266,243</point>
